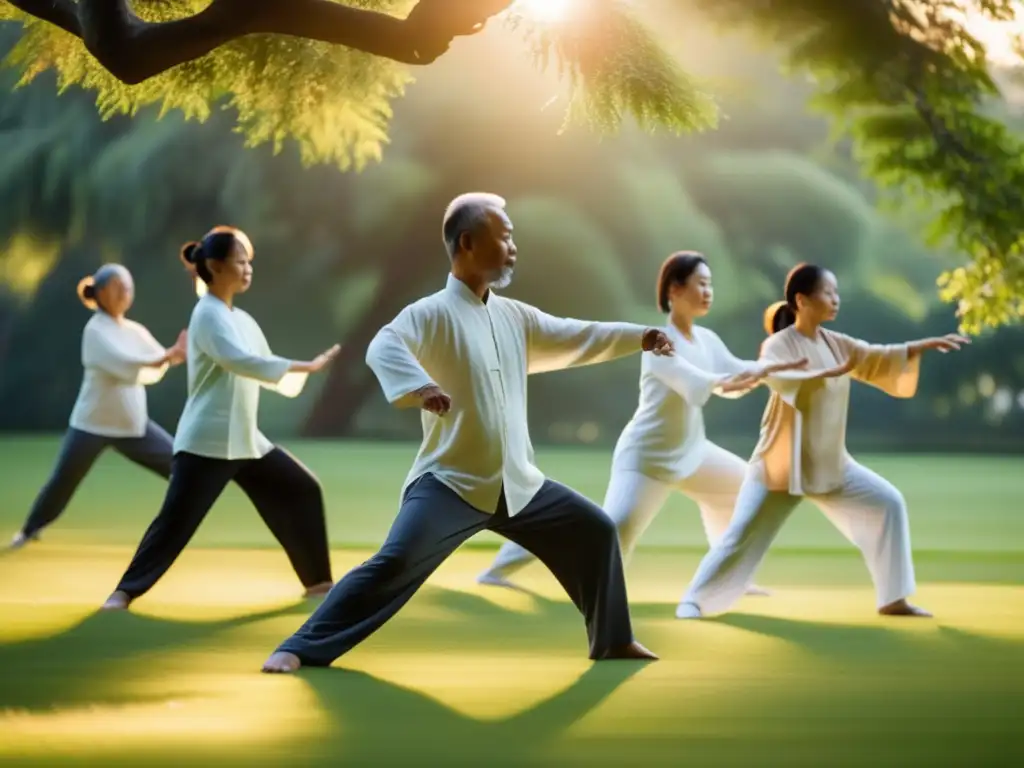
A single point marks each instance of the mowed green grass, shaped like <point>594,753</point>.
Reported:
<point>470,676</point>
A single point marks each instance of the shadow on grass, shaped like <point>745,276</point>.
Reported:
<point>394,725</point>
<point>371,721</point>
<point>86,663</point>
<point>945,692</point>
<point>381,723</point>
<point>942,693</point>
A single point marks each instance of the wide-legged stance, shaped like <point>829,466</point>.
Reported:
<point>569,533</point>
<point>867,509</point>
<point>633,499</point>
<point>462,355</point>
<point>286,495</point>
<point>801,451</point>
<point>120,358</point>
<point>79,451</point>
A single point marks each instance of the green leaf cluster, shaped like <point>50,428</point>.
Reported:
<point>909,83</point>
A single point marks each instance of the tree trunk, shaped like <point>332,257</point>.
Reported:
<point>349,381</point>
<point>347,387</point>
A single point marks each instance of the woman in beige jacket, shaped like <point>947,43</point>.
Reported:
<point>802,452</point>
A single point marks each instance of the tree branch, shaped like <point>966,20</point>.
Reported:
<point>60,13</point>
<point>419,39</point>
<point>134,50</point>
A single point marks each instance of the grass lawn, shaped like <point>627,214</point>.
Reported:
<point>470,676</point>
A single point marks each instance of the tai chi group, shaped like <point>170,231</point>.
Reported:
<point>462,356</point>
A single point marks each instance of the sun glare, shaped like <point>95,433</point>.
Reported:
<point>1000,38</point>
<point>548,11</point>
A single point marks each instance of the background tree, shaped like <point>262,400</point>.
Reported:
<point>351,249</point>
<point>905,79</point>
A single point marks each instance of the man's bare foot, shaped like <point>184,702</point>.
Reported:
<point>634,651</point>
<point>903,608</point>
<point>281,663</point>
<point>755,591</point>
<point>118,601</point>
<point>688,611</point>
<point>318,589</point>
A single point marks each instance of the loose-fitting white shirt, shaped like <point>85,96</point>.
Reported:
<point>229,360</point>
<point>480,353</point>
<point>665,439</point>
<point>802,447</point>
<point>116,355</point>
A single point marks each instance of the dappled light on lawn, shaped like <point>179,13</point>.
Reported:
<point>203,582</point>
<point>198,707</point>
<point>472,675</point>
<point>489,686</point>
<point>490,676</point>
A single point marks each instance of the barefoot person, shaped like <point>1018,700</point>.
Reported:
<point>218,441</point>
<point>120,358</point>
<point>463,355</point>
<point>664,448</point>
<point>802,452</point>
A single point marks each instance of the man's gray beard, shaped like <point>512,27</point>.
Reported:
<point>503,280</point>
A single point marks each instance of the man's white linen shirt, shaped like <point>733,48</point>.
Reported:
<point>480,353</point>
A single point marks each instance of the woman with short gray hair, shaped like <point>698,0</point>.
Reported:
<point>121,358</point>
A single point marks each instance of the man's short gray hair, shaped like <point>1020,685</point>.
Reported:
<point>464,214</point>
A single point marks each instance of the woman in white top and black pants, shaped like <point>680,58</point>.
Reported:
<point>217,439</point>
<point>120,358</point>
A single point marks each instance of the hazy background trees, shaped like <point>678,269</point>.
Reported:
<point>339,253</point>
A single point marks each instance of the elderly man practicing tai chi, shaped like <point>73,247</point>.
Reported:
<point>463,355</point>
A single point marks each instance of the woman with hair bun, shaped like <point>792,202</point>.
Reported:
<point>218,440</point>
<point>802,452</point>
<point>121,358</point>
<point>664,448</point>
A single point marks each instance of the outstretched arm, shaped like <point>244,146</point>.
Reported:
<point>134,50</point>
<point>893,368</point>
<point>295,378</point>
<point>556,343</point>
<point>725,361</point>
<point>691,383</point>
<point>134,367</point>
<point>742,375</point>
<point>951,342</point>
<point>216,338</point>
<point>730,377</point>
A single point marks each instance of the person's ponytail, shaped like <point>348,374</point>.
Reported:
<point>194,259</point>
<point>86,291</point>
<point>802,280</point>
<point>778,316</point>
